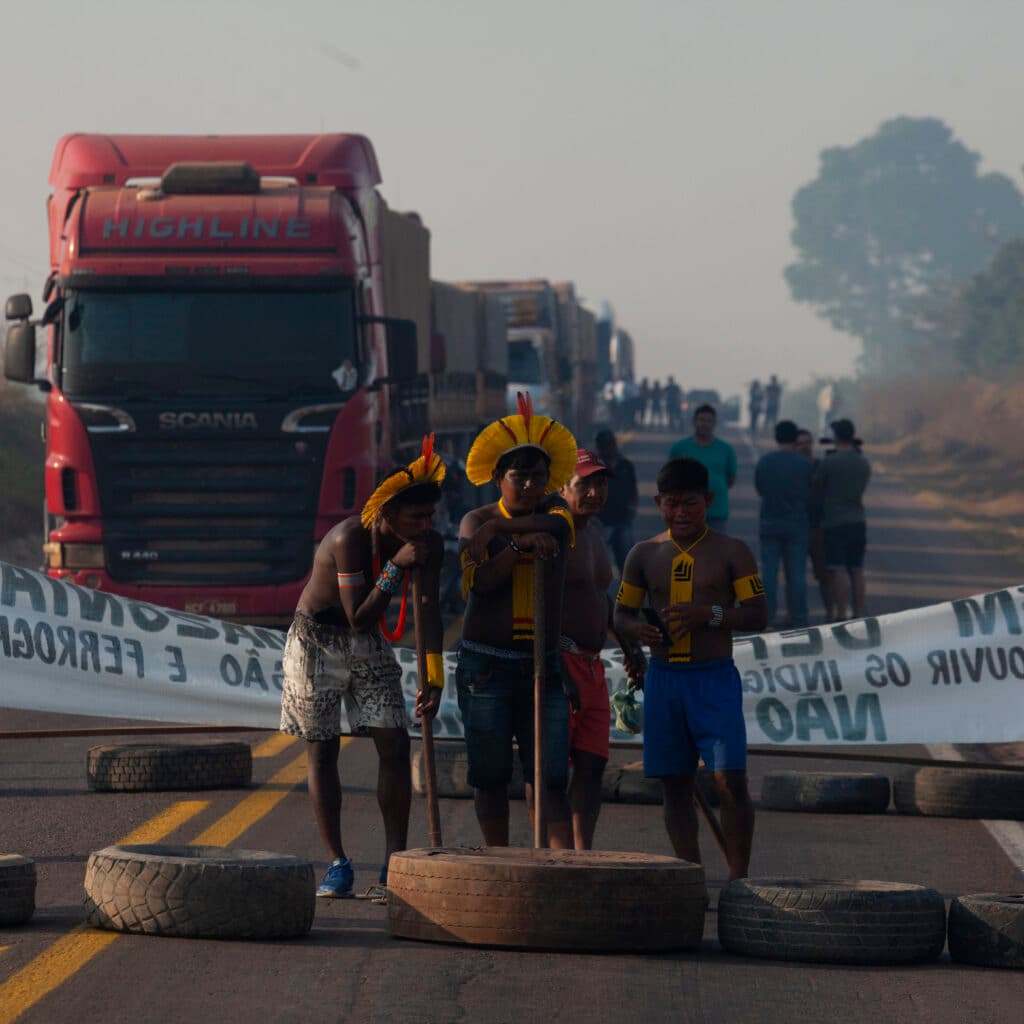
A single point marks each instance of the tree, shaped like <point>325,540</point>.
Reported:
<point>992,339</point>
<point>896,216</point>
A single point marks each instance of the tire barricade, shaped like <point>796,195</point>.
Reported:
<point>151,767</point>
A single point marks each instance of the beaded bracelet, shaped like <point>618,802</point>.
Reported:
<point>389,579</point>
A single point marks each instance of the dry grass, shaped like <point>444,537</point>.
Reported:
<point>958,442</point>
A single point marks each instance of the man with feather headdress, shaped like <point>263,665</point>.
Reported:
<point>339,651</point>
<point>528,458</point>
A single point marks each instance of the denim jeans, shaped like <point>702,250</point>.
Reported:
<point>791,551</point>
<point>496,702</point>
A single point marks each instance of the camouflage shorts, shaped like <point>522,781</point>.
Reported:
<point>332,674</point>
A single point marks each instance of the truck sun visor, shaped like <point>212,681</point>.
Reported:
<point>224,177</point>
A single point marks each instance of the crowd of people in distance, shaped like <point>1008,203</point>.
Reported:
<point>645,405</point>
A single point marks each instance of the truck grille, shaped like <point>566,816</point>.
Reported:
<point>195,510</point>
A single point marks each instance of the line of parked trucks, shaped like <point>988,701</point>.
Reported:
<point>241,338</point>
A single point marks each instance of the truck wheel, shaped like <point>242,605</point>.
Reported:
<point>136,768</point>
<point>17,889</point>
<point>547,899</point>
<point>987,930</point>
<point>832,922</point>
<point>451,772</point>
<point>826,792</point>
<point>208,892</point>
<point>960,793</point>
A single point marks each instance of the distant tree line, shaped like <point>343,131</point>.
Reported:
<point>903,244</point>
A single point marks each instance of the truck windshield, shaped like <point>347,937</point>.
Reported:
<point>272,342</point>
<point>524,363</point>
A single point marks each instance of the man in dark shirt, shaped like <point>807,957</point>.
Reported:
<point>816,540</point>
<point>620,507</point>
<point>783,480</point>
<point>842,477</point>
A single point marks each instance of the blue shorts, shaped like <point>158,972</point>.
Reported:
<point>689,710</point>
<point>496,701</point>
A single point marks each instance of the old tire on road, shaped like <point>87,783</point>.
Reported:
<point>17,889</point>
<point>148,767</point>
<point>547,899</point>
<point>987,929</point>
<point>208,892</point>
<point>960,793</point>
<point>855,922</point>
<point>826,792</point>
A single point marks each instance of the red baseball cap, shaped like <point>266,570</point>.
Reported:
<point>588,462</point>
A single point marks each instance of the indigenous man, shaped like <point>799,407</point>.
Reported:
<point>526,457</point>
<point>693,578</point>
<point>585,623</point>
<point>337,650</point>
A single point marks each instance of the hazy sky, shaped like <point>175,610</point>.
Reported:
<point>647,150</point>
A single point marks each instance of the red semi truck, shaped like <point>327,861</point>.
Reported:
<point>227,374</point>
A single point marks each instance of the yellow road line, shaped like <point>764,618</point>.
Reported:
<point>274,745</point>
<point>71,952</point>
<point>164,823</point>
<point>243,816</point>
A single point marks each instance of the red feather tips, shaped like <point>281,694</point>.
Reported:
<point>524,403</point>
<point>428,451</point>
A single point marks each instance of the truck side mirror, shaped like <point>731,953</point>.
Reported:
<point>19,307</point>
<point>20,350</point>
<point>402,350</point>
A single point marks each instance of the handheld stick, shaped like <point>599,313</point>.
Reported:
<point>429,774</point>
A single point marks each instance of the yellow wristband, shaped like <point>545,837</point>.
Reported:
<point>630,596</point>
<point>747,587</point>
<point>435,670</point>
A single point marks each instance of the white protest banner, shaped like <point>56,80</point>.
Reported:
<point>949,673</point>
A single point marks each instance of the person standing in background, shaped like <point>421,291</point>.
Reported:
<point>586,619</point>
<point>717,456</point>
<point>657,405</point>
<point>772,400</point>
<point>842,477</point>
<point>783,480</point>
<point>642,405</point>
<point>621,503</point>
<point>816,535</point>
<point>673,405</point>
<point>755,399</point>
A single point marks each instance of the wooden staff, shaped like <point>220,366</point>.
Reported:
<point>540,820</point>
<point>429,774</point>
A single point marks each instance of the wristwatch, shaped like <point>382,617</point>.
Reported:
<point>717,616</point>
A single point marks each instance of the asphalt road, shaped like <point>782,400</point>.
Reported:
<point>350,969</point>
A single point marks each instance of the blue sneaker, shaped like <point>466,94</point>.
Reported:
<point>338,881</point>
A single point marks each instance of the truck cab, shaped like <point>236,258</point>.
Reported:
<point>223,384</point>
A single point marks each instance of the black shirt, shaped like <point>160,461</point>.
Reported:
<point>620,508</point>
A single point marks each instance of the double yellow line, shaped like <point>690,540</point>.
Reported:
<point>60,961</point>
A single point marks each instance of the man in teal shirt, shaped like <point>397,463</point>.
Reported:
<point>718,457</point>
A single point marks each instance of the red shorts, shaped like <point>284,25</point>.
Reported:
<point>589,727</point>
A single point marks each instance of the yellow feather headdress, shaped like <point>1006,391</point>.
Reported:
<point>427,469</point>
<point>524,430</point>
